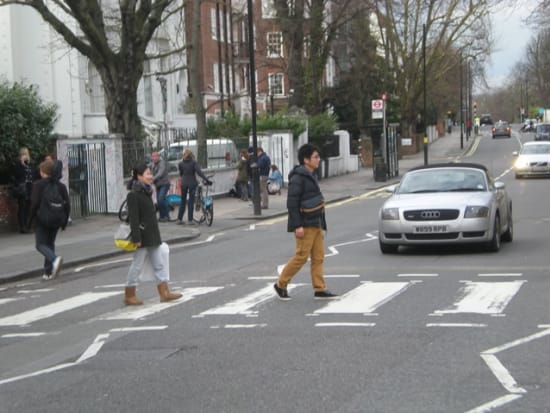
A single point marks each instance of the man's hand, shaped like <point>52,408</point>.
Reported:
<point>299,232</point>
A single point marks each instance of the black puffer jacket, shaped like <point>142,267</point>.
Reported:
<point>303,186</point>
<point>143,217</point>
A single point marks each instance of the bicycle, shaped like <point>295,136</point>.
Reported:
<point>204,203</point>
<point>173,201</point>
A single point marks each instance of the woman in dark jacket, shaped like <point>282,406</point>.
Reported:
<point>24,175</point>
<point>188,167</point>
<point>45,234</point>
<point>146,235</point>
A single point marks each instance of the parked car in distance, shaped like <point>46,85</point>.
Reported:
<point>532,160</point>
<point>451,203</point>
<point>486,119</point>
<point>542,132</point>
<point>501,128</point>
<point>222,152</point>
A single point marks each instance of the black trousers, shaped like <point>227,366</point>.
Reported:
<point>45,245</point>
<point>23,209</point>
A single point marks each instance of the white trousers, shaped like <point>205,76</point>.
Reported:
<point>157,262</point>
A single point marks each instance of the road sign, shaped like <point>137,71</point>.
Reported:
<point>377,104</point>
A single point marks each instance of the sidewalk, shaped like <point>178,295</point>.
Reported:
<point>90,239</point>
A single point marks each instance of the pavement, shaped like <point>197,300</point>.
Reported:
<point>91,239</point>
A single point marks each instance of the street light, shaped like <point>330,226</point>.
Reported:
<point>424,85</point>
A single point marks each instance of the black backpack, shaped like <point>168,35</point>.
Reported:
<point>52,207</point>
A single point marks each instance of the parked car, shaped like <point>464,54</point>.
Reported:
<point>486,119</point>
<point>221,153</point>
<point>533,160</point>
<point>446,204</point>
<point>501,128</point>
<point>542,132</point>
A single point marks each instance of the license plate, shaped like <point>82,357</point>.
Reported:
<point>430,229</point>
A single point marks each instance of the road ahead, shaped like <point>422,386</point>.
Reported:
<point>427,330</point>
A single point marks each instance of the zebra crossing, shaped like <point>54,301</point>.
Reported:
<point>364,298</point>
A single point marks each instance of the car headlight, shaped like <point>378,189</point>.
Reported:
<point>476,212</point>
<point>521,163</point>
<point>390,213</point>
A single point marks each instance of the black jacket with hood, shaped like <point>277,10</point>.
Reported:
<point>302,187</point>
<point>143,217</point>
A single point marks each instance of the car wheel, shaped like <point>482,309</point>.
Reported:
<point>494,244</point>
<point>388,248</point>
<point>508,235</point>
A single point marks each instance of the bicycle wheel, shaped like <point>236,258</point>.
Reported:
<point>209,215</point>
<point>123,212</point>
<point>202,218</point>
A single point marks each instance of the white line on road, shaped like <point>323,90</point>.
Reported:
<point>101,264</point>
<point>502,374</point>
<point>40,290</point>
<point>418,275</point>
<point>23,335</point>
<point>456,325</point>
<point>502,274</point>
<point>52,309</point>
<point>229,326</point>
<point>132,329</point>
<point>501,401</point>
<point>9,300</point>
<point>345,324</point>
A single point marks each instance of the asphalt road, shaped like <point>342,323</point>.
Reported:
<point>406,345</point>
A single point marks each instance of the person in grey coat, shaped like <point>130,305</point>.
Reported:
<point>162,185</point>
<point>188,169</point>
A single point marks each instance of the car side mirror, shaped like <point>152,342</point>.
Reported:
<point>515,153</point>
<point>499,185</point>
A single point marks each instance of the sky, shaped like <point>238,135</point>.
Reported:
<point>511,35</point>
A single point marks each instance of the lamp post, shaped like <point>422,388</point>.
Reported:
<point>252,77</point>
<point>424,86</point>
<point>461,107</point>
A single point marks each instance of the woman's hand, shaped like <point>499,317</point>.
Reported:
<point>299,232</point>
<point>138,244</point>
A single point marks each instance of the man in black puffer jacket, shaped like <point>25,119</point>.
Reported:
<point>306,218</point>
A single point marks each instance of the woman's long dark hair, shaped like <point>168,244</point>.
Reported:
<point>137,170</point>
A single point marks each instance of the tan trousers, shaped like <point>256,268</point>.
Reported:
<point>312,244</point>
<point>264,196</point>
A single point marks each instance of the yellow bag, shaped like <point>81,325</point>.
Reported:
<point>122,238</point>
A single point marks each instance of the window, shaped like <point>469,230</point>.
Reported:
<point>148,89</point>
<point>224,76</point>
<point>307,46</point>
<point>213,24</point>
<point>94,89</point>
<point>276,85</point>
<point>274,44</point>
<point>268,9</point>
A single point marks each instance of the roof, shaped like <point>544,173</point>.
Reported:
<point>452,165</point>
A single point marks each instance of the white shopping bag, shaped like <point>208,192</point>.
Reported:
<point>147,273</point>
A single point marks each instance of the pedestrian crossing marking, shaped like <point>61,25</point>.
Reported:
<point>244,306</point>
<point>366,298</point>
<point>52,309</point>
<point>8,300</point>
<point>133,313</point>
<point>483,297</point>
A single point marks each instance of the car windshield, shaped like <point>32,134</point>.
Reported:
<point>543,128</point>
<point>502,124</point>
<point>535,149</point>
<point>443,180</point>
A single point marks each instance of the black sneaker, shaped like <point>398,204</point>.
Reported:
<point>282,293</point>
<point>324,295</point>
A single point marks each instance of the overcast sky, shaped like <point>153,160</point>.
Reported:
<point>511,35</point>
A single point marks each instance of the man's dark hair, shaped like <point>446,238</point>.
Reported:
<point>306,151</point>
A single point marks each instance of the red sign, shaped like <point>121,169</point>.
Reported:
<point>377,104</point>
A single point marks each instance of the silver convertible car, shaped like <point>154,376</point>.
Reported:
<point>452,203</point>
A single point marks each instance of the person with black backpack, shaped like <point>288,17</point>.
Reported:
<point>50,206</point>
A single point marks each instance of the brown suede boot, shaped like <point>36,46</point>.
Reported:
<point>130,296</point>
<point>165,294</point>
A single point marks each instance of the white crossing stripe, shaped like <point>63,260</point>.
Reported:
<point>8,300</point>
<point>137,313</point>
<point>483,297</point>
<point>52,309</point>
<point>247,303</point>
<point>365,299</point>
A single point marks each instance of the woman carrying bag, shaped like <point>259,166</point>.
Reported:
<point>146,235</point>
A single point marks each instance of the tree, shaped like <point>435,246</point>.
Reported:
<point>25,120</point>
<point>114,36</point>
<point>452,27</point>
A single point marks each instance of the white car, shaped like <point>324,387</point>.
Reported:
<point>452,203</point>
<point>533,159</point>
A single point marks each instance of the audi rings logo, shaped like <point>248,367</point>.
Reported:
<point>430,214</point>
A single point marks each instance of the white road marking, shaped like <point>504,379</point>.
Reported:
<point>483,297</point>
<point>191,244</point>
<point>137,313</point>
<point>244,306</point>
<point>52,309</point>
<point>365,299</point>
<point>133,329</point>
<point>8,300</point>
<point>267,277</point>
<point>502,374</point>
<point>334,251</point>
<point>502,274</point>
<point>501,401</point>
<point>456,325</point>
<point>229,326</point>
<point>40,290</point>
<point>23,335</point>
<point>345,324</point>
<point>94,348</point>
<point>102,263</point>
<point>418,275</point>
<point>119,286</point>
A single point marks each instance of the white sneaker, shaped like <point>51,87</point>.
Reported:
<point>46,277</point>
<point>56,266</point>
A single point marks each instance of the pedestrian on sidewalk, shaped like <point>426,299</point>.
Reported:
<point>162,185</point>
<point>306,218</point>
<point>275,182</point>
<point>50,205</point>
<point>242,175</point>
<point>264,168</point>
<point>145,234</point>
<point>24,174</point>
<point>188,168</point>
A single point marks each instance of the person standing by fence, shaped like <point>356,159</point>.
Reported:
<point>162,185</point>
<point>188,168</point>
<point>242,175</point>
<point>24,174</point>
<point>264,168</point>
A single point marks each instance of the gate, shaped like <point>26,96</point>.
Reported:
<point>87,179</point>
